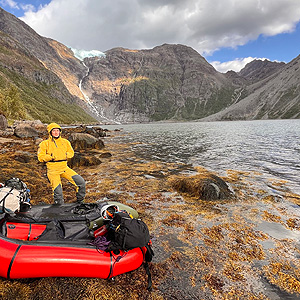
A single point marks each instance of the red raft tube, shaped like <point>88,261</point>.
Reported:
<point>22,256</point>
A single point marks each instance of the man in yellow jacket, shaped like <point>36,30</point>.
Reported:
<point>55,152</point>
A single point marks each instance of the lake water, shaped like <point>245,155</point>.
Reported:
<point>270,147</point>
<point>270,151</point>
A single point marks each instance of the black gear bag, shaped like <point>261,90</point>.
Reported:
<point>127,233</point>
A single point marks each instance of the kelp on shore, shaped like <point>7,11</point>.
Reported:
<point>220,249</point>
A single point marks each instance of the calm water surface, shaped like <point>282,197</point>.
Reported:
<point>270,147</point>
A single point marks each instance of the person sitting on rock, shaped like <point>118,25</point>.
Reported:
<point>55,151</point>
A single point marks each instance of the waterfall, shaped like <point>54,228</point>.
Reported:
<point>99,113</point>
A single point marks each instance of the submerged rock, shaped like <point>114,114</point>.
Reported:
<point>23,156</point>
<point>205,186</point>
<point>105,155</point>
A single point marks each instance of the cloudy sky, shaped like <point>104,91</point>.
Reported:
<point>228,33</point>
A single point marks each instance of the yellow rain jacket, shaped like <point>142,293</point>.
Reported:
<point>55,152</point>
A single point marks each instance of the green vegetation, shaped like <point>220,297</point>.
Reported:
<point>293,112</point>
<point>11,104</point>
<point>287,98</point>
<point>151,97</point>
<point>162,97</point>
<point>196,108</point>
<point>21,98</point>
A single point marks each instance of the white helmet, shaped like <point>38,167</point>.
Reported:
<point>108,211</point>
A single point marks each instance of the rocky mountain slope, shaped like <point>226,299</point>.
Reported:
<point>28,62</point>
<point>168,82</point>
<point>174,82</point>
<point>275,97</point>
<point>258,70</point>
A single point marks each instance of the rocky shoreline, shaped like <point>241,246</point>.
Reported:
<point>213,237</point>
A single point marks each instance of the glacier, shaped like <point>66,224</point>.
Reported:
<point>81,54</point>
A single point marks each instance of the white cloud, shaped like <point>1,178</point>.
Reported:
<point>204,25</point>
<point>234,65</point>
<point>27,7</point>
<point>10,3</point>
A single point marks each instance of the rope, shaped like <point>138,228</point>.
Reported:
<point>101,243</point>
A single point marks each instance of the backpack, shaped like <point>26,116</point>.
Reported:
<point>127,233</point>
<point>14,195</point>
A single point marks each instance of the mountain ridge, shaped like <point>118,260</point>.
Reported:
<point>169,82</point>
<point>276,97</point>
<point>163,83</point>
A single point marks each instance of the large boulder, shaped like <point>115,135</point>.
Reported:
<point>205,186</point>
<point>95,131</point>
<point>23,129</point>
<point>36,124</point>
<point>82,141</point>
<point>81,160</point>
<point>3,122</point>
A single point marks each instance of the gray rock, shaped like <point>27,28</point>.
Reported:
<point>82,141</point>
<point>36,124</point>
<point>24,130</point>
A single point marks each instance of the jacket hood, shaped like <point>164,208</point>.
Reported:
<point>52,126</point>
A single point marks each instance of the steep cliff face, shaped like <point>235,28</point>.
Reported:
<point>55,56</point>
<point>42,92</point>
<point>65,65</point>
<point>164,83</point>
<point>15,58</point>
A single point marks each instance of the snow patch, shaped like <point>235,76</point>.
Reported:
<point>81,54</point>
